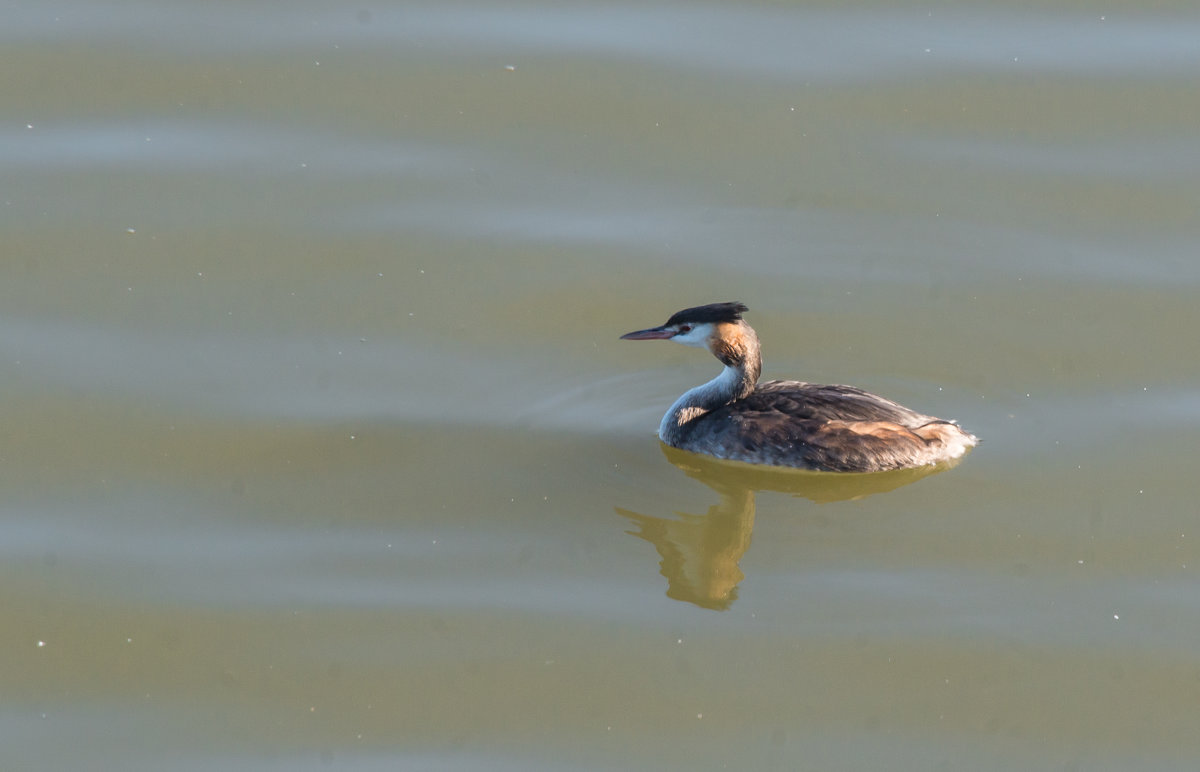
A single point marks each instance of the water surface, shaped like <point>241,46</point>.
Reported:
<point>321,450</point>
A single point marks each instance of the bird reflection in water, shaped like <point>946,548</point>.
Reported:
<point>700,553</point>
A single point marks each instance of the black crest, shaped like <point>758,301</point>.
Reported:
<point>713,312</point>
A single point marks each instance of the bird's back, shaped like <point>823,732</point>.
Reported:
<point>823,427</point>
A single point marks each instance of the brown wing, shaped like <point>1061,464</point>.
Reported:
<point>805,401</point>
<point>830,428</point>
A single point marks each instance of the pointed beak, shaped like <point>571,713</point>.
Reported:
<point>654,333</point>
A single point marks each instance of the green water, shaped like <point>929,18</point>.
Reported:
<point>321,451</point>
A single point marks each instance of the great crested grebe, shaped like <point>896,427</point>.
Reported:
<point>789,423</point>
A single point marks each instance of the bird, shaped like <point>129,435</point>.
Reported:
<point>827,428</point>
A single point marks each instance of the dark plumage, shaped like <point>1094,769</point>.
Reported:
<point>815,426</point>
<point>713,312</point>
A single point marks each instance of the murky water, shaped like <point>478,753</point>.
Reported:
<point>321,451</point>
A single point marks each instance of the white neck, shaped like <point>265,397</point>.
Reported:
<point>726,387</point>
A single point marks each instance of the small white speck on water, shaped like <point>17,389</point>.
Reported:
<point>41,644</point>
<point>29,125</point>
<point>352,437</point>
<point>131,230</point>
<point>699,715</point>
<point>1116,616</point>
<point>510,67</point>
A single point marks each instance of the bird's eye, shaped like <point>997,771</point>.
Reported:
<point>685,328</point>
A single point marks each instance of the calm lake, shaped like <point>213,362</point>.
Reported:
<point>321,451</point>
